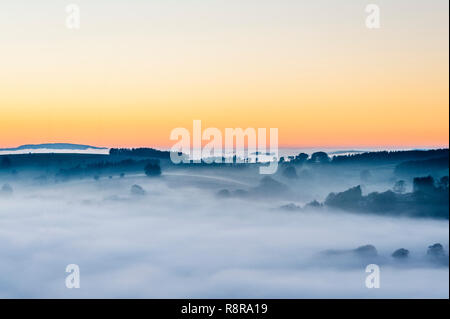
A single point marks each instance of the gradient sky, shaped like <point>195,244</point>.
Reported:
<point>137,69</point>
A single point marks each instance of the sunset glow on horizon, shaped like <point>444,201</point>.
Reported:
<point>136,70</point>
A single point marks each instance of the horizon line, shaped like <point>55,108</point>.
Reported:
<point>335,147</point>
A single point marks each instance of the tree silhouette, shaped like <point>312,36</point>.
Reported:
<point>320,157</point>
<point>423,184</point>
<point>301,158</point>
<point>152,169</point>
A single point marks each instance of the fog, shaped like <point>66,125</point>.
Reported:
<point>175,238</point>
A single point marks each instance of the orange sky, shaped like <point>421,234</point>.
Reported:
<point>129,75</point>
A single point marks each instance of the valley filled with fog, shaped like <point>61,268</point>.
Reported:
<point>220,232</point>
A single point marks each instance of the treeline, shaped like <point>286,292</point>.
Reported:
<point>148,166</point>
<point>140,152</point>
<point>48,160</point>
<point>390,156</point>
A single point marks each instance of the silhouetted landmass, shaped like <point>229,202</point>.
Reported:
<point>298,159</point>
<point>116,154</point>
<point>57,160</point>
<point>428,199</point>
<point>390,156</point>
<point>65,165</point>
<point>301,158</point>
<point>429,196</point>
<point>106,168</point>
<point>141,152</point>
<point>55,146</point>
<point>350,199</point>
<point>319,157</point>
<point>434,160</point>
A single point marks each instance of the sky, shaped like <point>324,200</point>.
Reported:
<point>135,70</point>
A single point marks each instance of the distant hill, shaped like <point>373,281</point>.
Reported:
<point>53,146</point>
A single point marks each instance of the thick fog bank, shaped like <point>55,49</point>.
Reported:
<point>174,237</point>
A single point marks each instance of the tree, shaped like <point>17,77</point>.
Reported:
<point>348,199</point>
<point>423,184</point>
<point>320,157</point>
<point>152,169</point>
<point>301,158</point>
<point>401,253</point>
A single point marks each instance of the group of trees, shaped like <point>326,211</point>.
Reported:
<point>140,152</point>
<point>151,167</point>
<point>429,198</point>
<point>317,157</point>
<point>429,185</point>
